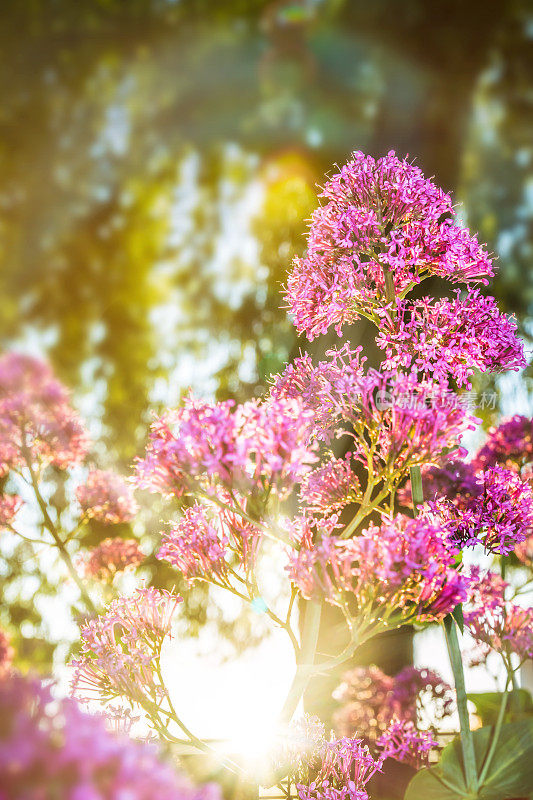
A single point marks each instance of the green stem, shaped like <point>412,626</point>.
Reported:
<point>467,742</point>
<point>304,669</point>
<point>59,543</point>
<point>495,735</point>
<point>417,492</point>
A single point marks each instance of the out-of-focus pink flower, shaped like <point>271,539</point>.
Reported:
<point>120,646</point>
<point>107,497</point>
<point>36,420</point>
<point>509,444</point>
<point>51,748</point>
<point>495,623</point>
<point>346,768</point>
<point>455,480</point>
<point>450,338</point>
<point>10,505</point>
<point>380,216</point>
<point>524,551</point>
<point>403,742</point>
<point>260,447</point>
<point>499,517</point>
<point>371,699</point>
<point>111,556</point>
<point>401,570</point>
<point>6,653</point>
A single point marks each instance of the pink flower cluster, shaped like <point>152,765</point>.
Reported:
<point>50,748</point>
<point>509,445</point>
<point>403,742</point>
<point>346,767</point>
<point>450,338</point>
<point>10,505</point>
<point>107,497</point>
<point>411,421</point>
<point>371,699</point>
<point>119,647</point>
<point>327,490</point>
<point>499,517</point>
<point>400,570</point>
<point>111,556</point>
<point>6,653</point>
<point>380,217</point>
<point>495,623</point>
<point>37,422</point>
<point>201,542</point>
<point>260,447</point>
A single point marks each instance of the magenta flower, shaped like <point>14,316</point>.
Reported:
<point>10,505</point>
<point>403,742</point>
<point>509,445</point>
<point>380,216</point>
<point>50,748</point>
<point>36,420</point>
<point>371,699</point>
<point>524,551</point>
<point>331,487</point>
<point>259,447</point>
<point>499,517</point>
<point>107,498</point>
<point>450,338</point>
<point>345,769</point>
<point>399,571</point>
<point>6,653</point>
<point>495,623</point>
<point>119,648</point>
<point>409,422</point>
<point>110,557</point>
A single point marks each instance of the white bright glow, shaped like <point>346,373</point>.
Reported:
<point>236,703</point>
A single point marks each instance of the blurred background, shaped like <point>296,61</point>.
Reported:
<point>158,163</point>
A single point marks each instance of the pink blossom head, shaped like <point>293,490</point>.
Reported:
<point>119,648</point>
<point>509,445</point>
<point>495,623</point>
<point>50,747</point>
<point>379,216</point>
<point>37,421</point>
<point>326,491</point>
<point>403,742</point>
<point>399,571</point>
<point>6,653</point>
<point>107,497</point>
<point>344,771</point>
<point>450,338</point>
<point>498,517</point>
<point>10,505</point>
<point>110,557</point>
<point>259,448</point>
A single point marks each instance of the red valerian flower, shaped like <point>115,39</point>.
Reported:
<point>450,338</point>
<point>380,218</point>
<point>37,422</point>
<point>346,767</point>
<point>401,570</point>
<point>107,497</point>
<point>50,748</point>
<point>509,445</point>
<point>110,557</point>
<point>499,517</point>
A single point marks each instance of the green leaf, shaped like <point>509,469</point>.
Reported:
<point>487,705</point>
<point>457,614</point>
<point>510,774</point>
